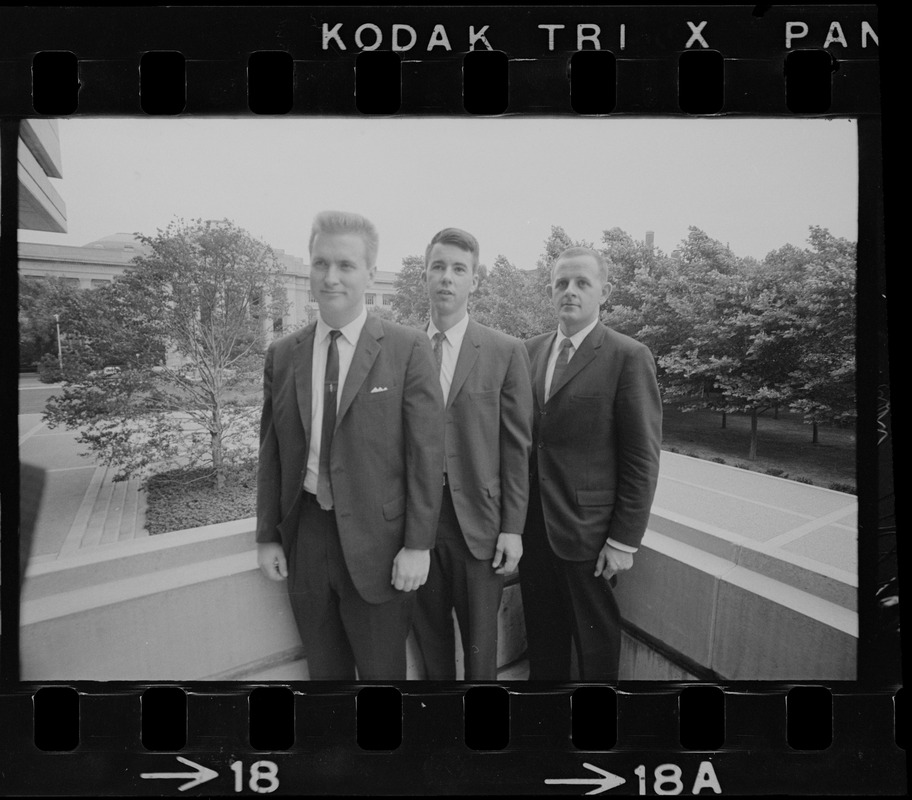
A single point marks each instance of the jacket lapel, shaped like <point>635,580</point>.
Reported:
<point>465,361</point>
<point>581,357</point>
<point>366,351</point>
<point>540,369</point>
<point>303,367</point>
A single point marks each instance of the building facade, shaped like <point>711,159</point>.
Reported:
<point>41,208</point>
<point>98,262</point>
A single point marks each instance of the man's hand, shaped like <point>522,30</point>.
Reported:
<point>611,561</point>
<point>509,551</point>
<point>271,558</point>
<point>410,569</point>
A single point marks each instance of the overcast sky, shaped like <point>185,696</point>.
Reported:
<point>754,184</point>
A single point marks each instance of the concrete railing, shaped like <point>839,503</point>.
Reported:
<point>700,600</point>
<point>745,576</point>
<point>187,605</point>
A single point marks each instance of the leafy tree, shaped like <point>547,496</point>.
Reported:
<point>633,271</point>
<point>39,300</point>
<point>410,303</point>
<point>823,296</point>
<point>717,335</point>
<point>163,368</point>
<point>509,300</point>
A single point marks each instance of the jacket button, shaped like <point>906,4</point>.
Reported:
<point>540,445</point>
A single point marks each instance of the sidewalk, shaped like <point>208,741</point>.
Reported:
<point>81,505</point>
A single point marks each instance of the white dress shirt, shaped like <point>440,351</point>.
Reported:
<point>575,341</point>
<point>450,351</point>
<point>346,347</point>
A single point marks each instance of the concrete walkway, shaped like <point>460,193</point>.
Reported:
<point>81,505</point>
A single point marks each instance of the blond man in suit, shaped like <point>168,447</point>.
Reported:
<point>484,377</point>
<point>350,465</point>
<point>596,441</point>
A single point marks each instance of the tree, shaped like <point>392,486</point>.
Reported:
<point>39,300</point>
<point>509,300</point>
<point>822,288</point>
<point>163,369</point>
<point>719,332</point>
<point>410,303</point>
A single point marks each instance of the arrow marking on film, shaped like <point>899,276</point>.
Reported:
<point>200,775</point>
<point>608,780</point>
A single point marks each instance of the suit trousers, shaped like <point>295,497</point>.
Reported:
<point>341,631</point>
<point>564,603</point>
<point>457,579</point>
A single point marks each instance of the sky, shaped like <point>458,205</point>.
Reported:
<point>755,184</point>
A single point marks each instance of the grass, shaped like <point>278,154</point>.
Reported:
<point>188,500</point>
<point>784,445</point>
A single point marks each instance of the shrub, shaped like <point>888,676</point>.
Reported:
<point>802,479</point>
<point>49,369</point>
<point>718,459</point>
<point>847,488</point>
<point>774,471</point>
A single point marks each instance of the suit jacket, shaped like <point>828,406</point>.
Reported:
<point>489,437</point>
<point>596,442</point>
<point>387,448</point>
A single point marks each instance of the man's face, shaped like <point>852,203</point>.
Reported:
<point>451,277</point>
<point>577,290</point>
<point>339,276</point>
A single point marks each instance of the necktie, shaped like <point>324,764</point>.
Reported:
<point>560,366</point>
<point>330,390</point>
<point>439,339</point>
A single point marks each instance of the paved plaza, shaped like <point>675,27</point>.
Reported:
<point>81,504</point>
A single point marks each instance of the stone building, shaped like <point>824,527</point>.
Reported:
<point>96,264</point>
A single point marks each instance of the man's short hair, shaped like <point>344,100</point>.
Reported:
<point>600,260</point>
<point>458,237</point>
<point>335,222</point>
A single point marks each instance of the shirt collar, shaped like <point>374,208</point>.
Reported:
<point>577,339</point>
<point>350,332</point>
<point>454,335</point>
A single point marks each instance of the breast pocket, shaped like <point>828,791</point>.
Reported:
<point>381,393</point>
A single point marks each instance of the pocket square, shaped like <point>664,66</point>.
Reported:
<point>378,389</point>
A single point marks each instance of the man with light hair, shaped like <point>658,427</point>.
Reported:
<point>484,376</point>
<point>350,466</point>
<point>595,462</point>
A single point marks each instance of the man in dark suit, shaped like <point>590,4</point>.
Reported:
<point>596,441</point>
<point>351,465</point>
<point>484,375</point>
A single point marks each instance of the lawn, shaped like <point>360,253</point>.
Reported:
<point>784,445</point>
<point>784,449</point>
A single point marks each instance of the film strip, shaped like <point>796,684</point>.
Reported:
<point>700,732</point>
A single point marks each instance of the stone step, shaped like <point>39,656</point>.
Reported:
<point>128,520</point>
<point>115,513</point>
<point>95,525</point>
<point>74,537</point>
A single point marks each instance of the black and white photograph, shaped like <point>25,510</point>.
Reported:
<point>445,399</point>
